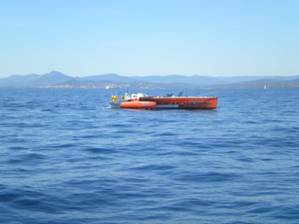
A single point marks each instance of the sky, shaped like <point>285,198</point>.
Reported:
<point>146,37</point>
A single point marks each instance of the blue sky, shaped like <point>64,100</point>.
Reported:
<point>139,37</point>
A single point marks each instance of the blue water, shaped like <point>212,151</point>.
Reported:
<point>65,157</point>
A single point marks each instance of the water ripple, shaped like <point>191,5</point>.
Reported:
<point>65,157</point>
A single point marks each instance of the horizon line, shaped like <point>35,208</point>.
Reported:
<point>147,75</point>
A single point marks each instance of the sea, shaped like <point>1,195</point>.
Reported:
<point>66,157</point>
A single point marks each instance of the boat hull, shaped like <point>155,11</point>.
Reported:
<point>207,103</point>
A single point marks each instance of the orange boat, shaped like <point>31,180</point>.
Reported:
<point>140,101</point>
<point>138,104</point>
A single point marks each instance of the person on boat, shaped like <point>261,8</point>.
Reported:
<point>114,98</point>
<point>126,97</point>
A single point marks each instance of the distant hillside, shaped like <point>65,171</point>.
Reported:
<point>35,80</point>
<point>262,84</point>
<point>57,79</point>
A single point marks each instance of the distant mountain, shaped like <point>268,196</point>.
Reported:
<point>35,80</point>
<point>55,79</point>
<point>206,80</point>
<point>18,80</point>
<point>106,78</point>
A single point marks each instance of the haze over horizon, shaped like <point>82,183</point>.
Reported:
<point>216,38</point>
<point>145,75</point>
